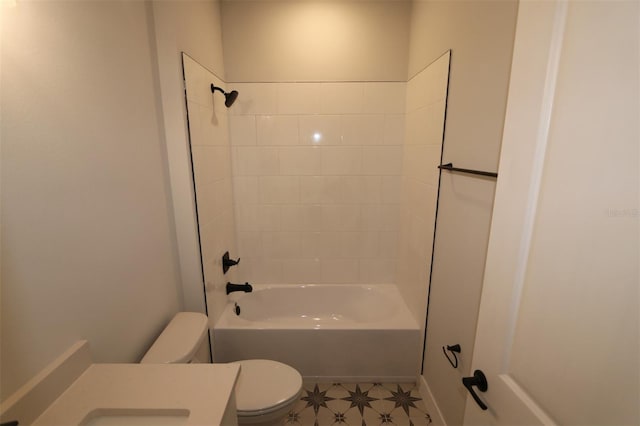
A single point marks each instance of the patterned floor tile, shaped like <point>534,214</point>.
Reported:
<point>359,404</point>
<point>380,390</point>
<point>423,420</point>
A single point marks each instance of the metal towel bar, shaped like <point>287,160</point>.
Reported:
<point>449,166</point>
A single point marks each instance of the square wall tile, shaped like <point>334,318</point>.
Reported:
<point>377,271</point>
<point>211,163</point>
<point>277,129</point>
<point>341,217</point>
<point>281,245</point>
<point>342,98</point>
<point>341,160</point>
<point>336,190</point>
<point>215,127</point>
<point>367,243</point>
<point>301,271</point>
<point>320,129</point>
<point>279,189</point>
<point>245,189</point>
<point>334,271</point>
<point>301,217</point>
<point>360,189</point>
<point>389,244</point>
<point>261,270</point>
<point>349,245</point>
<point>310,245</point>
<point>394,128</point>
<point>415,126</point>
<point>418,162</point>
<point>362,129</point>
<point>382,160</point>
<point>247,218</point>
<point>389,217</point>
<point>330,245</point>
<point>299,98</point>
<point>300,160</point>
<point>256,161</point>
<point>371,218</point>
<point>257,217</point>
<point>269,216</point>
<point>312,190</point>
<point>242,130</point>
<point>207,238</point>
<point>391,189</point>
<point>198,83</point>
<point>249,244</point>
<point>254,98</point>
<point>385,97</point>
<point>221,192</point>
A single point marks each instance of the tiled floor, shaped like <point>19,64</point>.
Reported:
<point>362,404</point>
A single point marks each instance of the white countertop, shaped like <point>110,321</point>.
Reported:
<point>204,390</point>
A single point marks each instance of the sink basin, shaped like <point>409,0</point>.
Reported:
<point>136,417</point>
<point>76,392</point>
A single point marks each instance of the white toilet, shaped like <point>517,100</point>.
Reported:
<point>266,390</point>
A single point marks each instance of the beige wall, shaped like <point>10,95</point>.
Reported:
<point>480,35</point>
<point>267,41</point>
<point>87,247</point>
<point>192,27</point>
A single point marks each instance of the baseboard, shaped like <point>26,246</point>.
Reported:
<point>360,379</point>
<point>430,402</point>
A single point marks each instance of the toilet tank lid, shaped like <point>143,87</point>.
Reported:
<point>179,341</point>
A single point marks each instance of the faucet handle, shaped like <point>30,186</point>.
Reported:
<point>227,262</point>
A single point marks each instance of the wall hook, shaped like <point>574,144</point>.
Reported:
<point>454,349</point>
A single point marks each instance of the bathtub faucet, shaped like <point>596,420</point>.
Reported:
<point>246,287</point>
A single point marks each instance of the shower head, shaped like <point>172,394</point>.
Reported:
<point>229,98</point>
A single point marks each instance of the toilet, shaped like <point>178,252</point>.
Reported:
<point>265,391</point>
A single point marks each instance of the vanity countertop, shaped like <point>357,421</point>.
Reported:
<point>205,390</point>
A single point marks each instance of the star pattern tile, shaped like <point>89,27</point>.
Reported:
<point>403,399</point>
<point>359,404</point>
<point>316,399</point>
<point>359,399</point>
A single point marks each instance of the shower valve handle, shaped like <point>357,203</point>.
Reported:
<point>227,262</point>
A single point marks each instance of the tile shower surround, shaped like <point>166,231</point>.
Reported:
<point>211,156</point>
<point>316,171</point>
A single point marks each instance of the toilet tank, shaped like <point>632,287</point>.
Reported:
<point>179,341</point>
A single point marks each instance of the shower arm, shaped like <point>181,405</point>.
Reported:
<point>219,89</point>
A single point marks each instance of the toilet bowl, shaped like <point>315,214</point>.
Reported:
<point>266,390</point>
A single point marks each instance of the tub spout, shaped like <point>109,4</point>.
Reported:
<point>246,287</point>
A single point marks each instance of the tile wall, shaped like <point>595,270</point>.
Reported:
<point>211,158</point>
<point>317,170</point>
<point>425,114</point>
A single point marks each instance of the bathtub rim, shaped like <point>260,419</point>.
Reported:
<point>403,320</point>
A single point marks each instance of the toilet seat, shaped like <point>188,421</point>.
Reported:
<point>265,386</point>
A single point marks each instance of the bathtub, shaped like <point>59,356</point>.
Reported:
<point>327,332</point>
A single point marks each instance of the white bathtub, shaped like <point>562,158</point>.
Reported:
<point>327,332</point>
